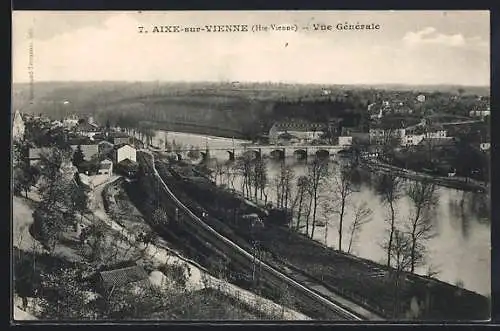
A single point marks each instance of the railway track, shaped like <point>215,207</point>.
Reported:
<point>312,291</point>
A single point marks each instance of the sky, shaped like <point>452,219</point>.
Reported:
<point>410,47</point>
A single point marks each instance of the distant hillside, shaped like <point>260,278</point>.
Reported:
<point>236,108</point>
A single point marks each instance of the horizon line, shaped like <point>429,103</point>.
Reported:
<point>249,82</point>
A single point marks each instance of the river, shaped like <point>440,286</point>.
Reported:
<point>459,252</point>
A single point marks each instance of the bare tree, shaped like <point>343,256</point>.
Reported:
<point>328,209</point>
<point>389,187</point>
<point>261,178</point>
<point>219,172</point>
<point>401,257</point>
<point>317,173</point>
<point>422,195</point>
<point>243,166</point>
<point>362,215</point>
<point>342,192</point>
<point>300,201</point>
<point>159,217</point>
<point>283,183</point>
<point>229,174</point>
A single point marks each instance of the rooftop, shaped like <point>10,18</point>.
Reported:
<point>437,142</point>
<point>299,126</point>
<point>105,166</point>
<point>105,142</point>
<point>85,126</point>
<point>128,163</point>
<point>123,276</point>
<point>36,153</point>
<point>118,146</point>
<point>416,130</point>
<point>395,123</point>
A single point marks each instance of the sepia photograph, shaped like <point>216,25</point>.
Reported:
<point>250,166</point>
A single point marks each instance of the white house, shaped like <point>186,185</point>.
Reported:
<point>484,146</point>
<point>479,113</point>
<point>123,152</point>
<point>105,167</point>
<point>380,134</point>
<point>436,131</point>
<point>421,98</point>
<point>18,126</point>
<point>345,140</point>
<point>304,132</point>
<point>413,135</point>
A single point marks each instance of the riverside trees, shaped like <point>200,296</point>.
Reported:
<point>389,187</point>
<point>419,227</point>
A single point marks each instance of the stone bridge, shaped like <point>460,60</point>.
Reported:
<point>269,151</point>
<point>266,151</point>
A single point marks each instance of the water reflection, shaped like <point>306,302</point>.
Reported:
<point>460,249</point>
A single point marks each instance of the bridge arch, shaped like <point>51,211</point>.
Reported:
<point>204,156</point>
<point>252,153</point>
<point>231,155</point>
<point>322,153</point>
<point>278,154</point>
<point>179,156</point>
<point>300,154</point>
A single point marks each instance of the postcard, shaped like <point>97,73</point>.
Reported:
<point>251,165</point>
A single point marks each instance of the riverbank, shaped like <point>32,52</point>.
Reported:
<point>459,183</point>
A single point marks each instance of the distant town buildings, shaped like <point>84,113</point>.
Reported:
<point>421,98</point>
<point>479,113</point>
<point>382,132</point>
<point>18,126</point>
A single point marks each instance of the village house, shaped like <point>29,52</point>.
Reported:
<point>87,129</point>
<point>381,132</point>
<point>89,151</point>
<point>119,138</point>
<point>298,131</point>
<point>35,154</point>
<point>413,136</point>
<point>436,131</point>
<point>128,278</point>
<point>105,167</point>
<point>345,141</point>
<point>18,126</point>
<point>123,152</point>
